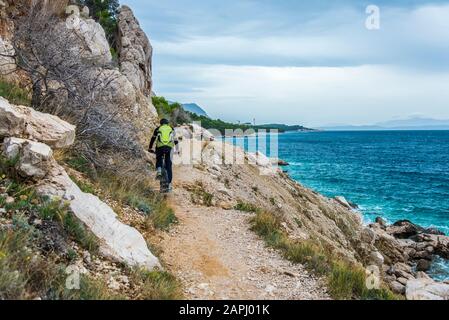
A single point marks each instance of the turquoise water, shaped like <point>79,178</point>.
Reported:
<point>395,175</point>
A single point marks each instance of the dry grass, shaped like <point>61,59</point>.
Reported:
<point>344,280</point>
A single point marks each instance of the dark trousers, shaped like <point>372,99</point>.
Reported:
<point>165,153</point>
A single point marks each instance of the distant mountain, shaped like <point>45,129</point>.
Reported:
<point>415,123</point>
<point>194,108</point>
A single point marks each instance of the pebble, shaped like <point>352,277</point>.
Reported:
<point>9,200</point>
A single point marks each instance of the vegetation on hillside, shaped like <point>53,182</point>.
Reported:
<point>345,281</point>
<point>32,262</point>
<point>177,115</point>
<point>14,94</point>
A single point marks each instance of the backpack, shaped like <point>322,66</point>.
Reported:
<point>165,136</point>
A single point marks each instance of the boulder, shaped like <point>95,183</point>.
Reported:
<point>380,221</point>
<point>402,270</point>
<point>33,159</point>
<point>129,105</point>
<point>345,203</point>
<point>403,229</point>
<point>426,289</point>
<point>90,43</point>
<point>368,235</point>
<point>27,123</point>
<point>118,241</point>
<point>397,287</point>
<point>376,258</point>
<point>423,265</point>
<point>135,51</point>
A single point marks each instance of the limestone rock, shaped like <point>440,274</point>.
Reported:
<point>426,289</point>
<point>34,159</point>
<point>130,105</point>
<point>397,287</point>
<point>92,43</point>
<point>376,258</point>
<point>423,265</point>
<point>117,240</point>
<point>135,51</point>
<point>343,202</point>
<point>27,123</point>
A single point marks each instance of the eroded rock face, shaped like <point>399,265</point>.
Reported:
<point>27,123</point>
<point>135,51</point>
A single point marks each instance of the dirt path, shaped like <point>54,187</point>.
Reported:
<point>216,256</point>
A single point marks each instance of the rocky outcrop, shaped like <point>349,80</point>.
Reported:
<point>135,51</point>
<point>425,288</point>
<point>27,123</point>
<point>95,44</point>
<point>34,161</point>
<point>118,241</point>
<point>409,251</point>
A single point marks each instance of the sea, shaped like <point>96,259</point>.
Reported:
<point>395,175</point>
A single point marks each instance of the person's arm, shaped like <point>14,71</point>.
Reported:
<point>153,139</point>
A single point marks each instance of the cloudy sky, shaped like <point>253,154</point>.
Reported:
<point>301,62</point>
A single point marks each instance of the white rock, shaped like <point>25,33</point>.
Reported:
<point>34,159</point>
<point>113,284</point>
<point>377,258</point>
<point>117,240</point>
<point>27,123</point>
<point>96,45</point>
<point>426,289</point>
<point>343,202</point>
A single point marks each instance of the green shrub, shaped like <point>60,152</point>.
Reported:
<point>157,285</point>
<point>25,274</point>
<point>80,233</point>
<point>14,94</point>
<point>162,216</point>
<point>246,207</point>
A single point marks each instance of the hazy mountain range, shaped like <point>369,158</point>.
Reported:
<point>414,123</point>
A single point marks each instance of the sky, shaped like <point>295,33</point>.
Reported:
<point>301,62</point>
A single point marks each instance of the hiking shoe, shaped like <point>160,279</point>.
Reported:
<point>158,173</point>
<point>170,187</point>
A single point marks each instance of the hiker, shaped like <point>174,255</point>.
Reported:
<point>164,136</point>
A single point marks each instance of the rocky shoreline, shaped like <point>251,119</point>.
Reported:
<point>406,254</point>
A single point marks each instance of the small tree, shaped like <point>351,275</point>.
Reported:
<point>67,83</point>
